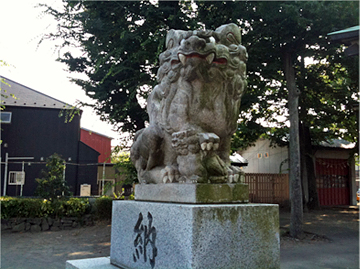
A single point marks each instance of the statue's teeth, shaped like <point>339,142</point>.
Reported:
<point>182,58</point>
<point>210,58</point>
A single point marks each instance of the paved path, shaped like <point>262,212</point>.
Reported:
<point>50,250</point>
<point>341,226</point>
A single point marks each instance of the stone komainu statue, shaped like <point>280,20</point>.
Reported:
<point>194,109</point>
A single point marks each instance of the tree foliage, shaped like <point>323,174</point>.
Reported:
<point>124,165</point>
<point>52,184</point>
<point>121,41</point>
<point>4,93</point>
<point>328,86</point>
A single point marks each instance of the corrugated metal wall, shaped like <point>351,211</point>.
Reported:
<point>332,176</point>
<point>101,144</point>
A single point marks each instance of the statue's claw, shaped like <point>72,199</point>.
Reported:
<point>170,174</point>
<point>235,175</point>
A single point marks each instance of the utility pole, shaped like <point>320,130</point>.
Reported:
<point>5,173</point>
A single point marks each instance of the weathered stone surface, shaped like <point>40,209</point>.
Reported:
<point>44,225</point>
<point>27,226</point>
<point>50,221</point>
<point>193,193</point>
<point>194,109</point>
<point>169,235</point>
<point>19,227</point>
<point>35,228</point>
<point>67,222</point>
<point>5,224</point>
<point>34,221</point>
<point>57,225</point>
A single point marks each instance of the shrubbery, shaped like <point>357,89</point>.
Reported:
<point>103,207</point>
<point>42,208</point>
<point>12,207</point>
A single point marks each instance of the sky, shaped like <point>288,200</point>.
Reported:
<point>22,26</point>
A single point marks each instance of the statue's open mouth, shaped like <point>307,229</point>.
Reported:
<point>210,58</point>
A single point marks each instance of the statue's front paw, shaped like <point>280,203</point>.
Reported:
<point>209,141</point>
<point>235,175</point>
<point>170,174</point>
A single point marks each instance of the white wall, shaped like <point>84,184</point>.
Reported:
<point>265,159</point>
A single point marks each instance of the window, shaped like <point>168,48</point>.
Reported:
<point>16,178</point>
<point>5,117</point>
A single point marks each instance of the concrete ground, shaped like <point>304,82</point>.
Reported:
<point>332,241</point>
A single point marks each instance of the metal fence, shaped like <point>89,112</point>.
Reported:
<point>268,188</point>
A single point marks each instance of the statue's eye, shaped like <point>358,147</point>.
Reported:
<point>233,47</point>
<point>231,38</point>
<point>212,40</point>
<point>170,44</point>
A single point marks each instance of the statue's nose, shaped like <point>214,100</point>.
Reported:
<point>194,42</point>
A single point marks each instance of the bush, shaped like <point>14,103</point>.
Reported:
<point>39,208</point>
<point>103,208</point>
<point>59,208</point>
<point>74,207</point>
<point>21,208</point>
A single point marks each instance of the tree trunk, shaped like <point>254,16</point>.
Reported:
<point>296,218</point>
<point>313,200</point>
<point>304,174</point>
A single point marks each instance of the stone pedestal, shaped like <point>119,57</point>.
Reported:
<point>208,226</point>
<point>193,193</point>
<point>170,235</point>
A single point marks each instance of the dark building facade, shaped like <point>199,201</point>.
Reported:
<point>32,129</point>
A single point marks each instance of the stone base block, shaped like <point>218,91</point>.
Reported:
<point>169,235</point>
<point>95,263</point>
<point>193,193</point>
